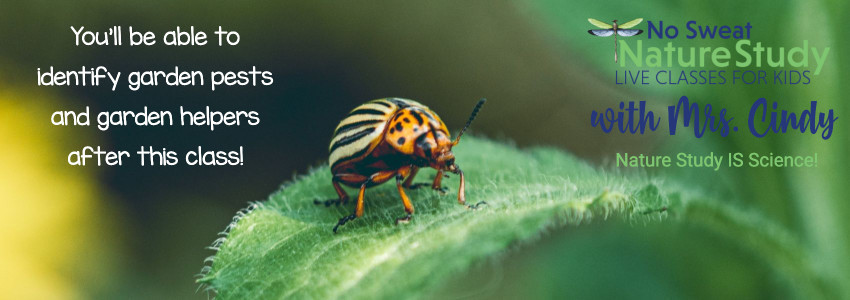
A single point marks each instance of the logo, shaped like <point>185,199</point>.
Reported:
<point>615,30</point>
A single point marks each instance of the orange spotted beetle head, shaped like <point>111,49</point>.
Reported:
<point>442,157</point>
<point>419,132</point>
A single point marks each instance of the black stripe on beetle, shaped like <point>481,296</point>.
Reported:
<point>352,138</point>
<point>382,102</point>
<point>354,155</point>
<point>400,141</point>
<point>366,111</point>
<point>352,126</point>
<point>399,102</point>
<point>398,126</point>
<point>431,117</point>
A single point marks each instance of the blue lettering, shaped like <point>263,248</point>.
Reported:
<point>691,29</point>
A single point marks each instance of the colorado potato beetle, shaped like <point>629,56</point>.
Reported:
<point>392,138</point>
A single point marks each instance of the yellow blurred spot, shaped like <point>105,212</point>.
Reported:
<point>55,242</point>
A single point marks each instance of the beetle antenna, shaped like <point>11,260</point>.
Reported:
<point>471,117</point>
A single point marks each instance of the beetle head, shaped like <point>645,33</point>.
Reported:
<point>437,150</point>
<point>443,158</point>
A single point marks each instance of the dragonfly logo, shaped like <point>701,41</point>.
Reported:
<point>615,30</point>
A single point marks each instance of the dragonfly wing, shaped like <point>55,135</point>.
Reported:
<point>629,32</point>
<point>600,24</point>
<point>631,23</point>
<point>601,32</point>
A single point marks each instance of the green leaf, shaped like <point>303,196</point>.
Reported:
<point>284,247</point>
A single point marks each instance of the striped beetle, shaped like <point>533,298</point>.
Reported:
<point>392,137</point>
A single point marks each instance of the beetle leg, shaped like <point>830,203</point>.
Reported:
<point>437,184</point>
<point>461,191</point>
<point>418,185</point>
<point>408,207</point>
<point>358,210</point>
<point>343,221</point>
<point>379,177</point>
<point>409,182</point>
<point>343,197</point>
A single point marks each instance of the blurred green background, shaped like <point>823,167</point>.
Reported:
<point>141,232</point>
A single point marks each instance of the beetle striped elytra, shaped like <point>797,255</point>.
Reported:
<point>392,138</point>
